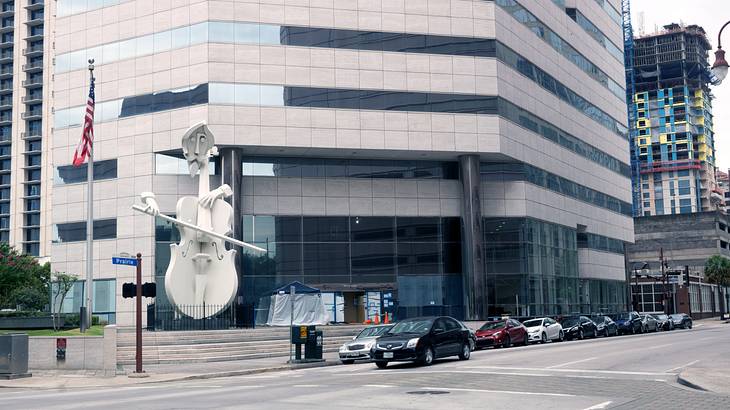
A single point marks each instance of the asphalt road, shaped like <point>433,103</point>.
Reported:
<point>628,372</point>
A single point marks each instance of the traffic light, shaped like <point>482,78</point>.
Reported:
<point>129,290</point>
<point>149,290</point>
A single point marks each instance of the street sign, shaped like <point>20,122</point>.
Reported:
<point>116,260</point>
<point>673,279</point>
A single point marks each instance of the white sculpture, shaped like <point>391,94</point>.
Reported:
<point>201,279</point>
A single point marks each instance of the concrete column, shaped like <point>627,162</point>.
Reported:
<point>229,168</point>
<point>473,272</point>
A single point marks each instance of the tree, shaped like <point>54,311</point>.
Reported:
<point>62,284</point>
<point>717,271</point>
<point>22,279</point>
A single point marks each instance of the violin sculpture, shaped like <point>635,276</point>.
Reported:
<point>201,279</point>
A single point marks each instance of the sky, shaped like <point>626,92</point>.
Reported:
<point>711,15</point>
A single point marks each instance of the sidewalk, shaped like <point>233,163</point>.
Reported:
<point>163,373</point>
<point>715,379</point>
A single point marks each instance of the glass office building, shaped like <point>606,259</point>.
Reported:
<point>403,158</point>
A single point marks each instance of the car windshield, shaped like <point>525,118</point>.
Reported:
<point>623,316</point>
<point>532,323</point>
<point>661,317</point>
<point>374,331</point>
<point>419,326</point>
<point>492,326</point>
<point>570,322</point>
<point>598,319</point>
<point>676,316</point>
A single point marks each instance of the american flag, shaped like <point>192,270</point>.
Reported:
<point>87,137</point>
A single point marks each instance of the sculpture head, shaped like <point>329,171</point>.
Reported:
<point>197,145</point>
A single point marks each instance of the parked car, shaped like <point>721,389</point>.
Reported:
<point>681,320</point>
<point>422,340</point>
<point>649,323</point>
<point>359,347</point>
<point>628,323</point>
<point>543,329</point>
<point>664,322</point>
<point>501,333</point>
<point>472,336</point>
<point>578,327</point>
<point>605,326</point>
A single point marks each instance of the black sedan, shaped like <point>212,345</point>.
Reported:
<point>664,322</point>
<point>605,326</point>
<point>578,327</point>
<point>681,320</point>
<point>422,340</point>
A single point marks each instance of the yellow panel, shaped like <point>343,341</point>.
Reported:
<point>663,138</point>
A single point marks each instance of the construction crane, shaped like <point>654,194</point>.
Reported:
<point>632,115</point>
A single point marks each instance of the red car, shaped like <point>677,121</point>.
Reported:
<point>501,333</point>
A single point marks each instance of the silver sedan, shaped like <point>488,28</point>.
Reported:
<point>359,347</point>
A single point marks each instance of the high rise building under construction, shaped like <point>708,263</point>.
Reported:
<point>673,153</point>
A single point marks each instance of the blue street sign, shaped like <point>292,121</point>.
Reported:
<point>124,261</point>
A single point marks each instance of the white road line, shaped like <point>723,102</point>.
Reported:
<point>574,370</point>
<point>573,362</point>
<point>683,366</point>
<point>498,391</point>
<point>599,406</point>
<point>378,386</point>
<point>659,346</point>
<point>307,385</point>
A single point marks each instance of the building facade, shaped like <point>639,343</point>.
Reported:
<point>674,135</point>
<point>462,157</point>
<point>24,154</point>
<point>684,242</point>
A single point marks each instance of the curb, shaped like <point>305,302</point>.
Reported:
<point>684,382</point>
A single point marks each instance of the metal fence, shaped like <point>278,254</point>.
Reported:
<point>166,317</point>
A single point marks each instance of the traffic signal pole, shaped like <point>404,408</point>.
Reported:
<point>138,302</point>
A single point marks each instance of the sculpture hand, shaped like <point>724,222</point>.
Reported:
<point>207,200</point>
<point>148,198</point>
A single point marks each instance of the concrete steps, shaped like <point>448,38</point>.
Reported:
<point>220,345</point>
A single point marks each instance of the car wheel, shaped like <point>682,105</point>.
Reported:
<point>689,326</point>
<point>644,329</point>
<point>561,336</point>
<point>472,345</point>
<point>465,352</point>
<point>507,342</point>
<point>580,334</point>
<point>427,357</point>
<point>347,361</point>
<point>543,338</point>
<point>381,365</point>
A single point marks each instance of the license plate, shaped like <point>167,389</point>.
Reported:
<point>387,355</point>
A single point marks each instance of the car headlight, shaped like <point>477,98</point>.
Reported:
<point>497,334</point>
<point>412,343</point>
<point>369,345</point>
<point>343,348</point>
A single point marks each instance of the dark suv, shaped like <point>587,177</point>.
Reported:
<point>578,327</point>
<point>422,340</point>
<point>628,323</point>
<point>681,320</point>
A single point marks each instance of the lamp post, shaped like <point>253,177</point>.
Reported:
<point>720,66</point>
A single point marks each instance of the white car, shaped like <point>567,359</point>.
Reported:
<point>543,329</point>
<point>359,347</point>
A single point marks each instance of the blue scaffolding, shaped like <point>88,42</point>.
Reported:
<point>632,115</point>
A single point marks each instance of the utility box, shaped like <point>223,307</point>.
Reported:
<point>313,348</point>
<point>14,356</point>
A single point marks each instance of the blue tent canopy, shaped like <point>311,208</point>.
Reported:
<point>299,288</point>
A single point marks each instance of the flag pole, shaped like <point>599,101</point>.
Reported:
<point>90,224</point>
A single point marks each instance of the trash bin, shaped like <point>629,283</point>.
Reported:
<point>14,356</point>
<point>313,348</point>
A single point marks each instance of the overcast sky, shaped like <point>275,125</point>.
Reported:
<point>711,15</point>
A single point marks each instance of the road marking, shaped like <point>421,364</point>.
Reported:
<point>659,346</point>
<point>599,406</point>
<point>499,391</point>
<point>378,386</point>
<point>573,362</point>
<point>683,366</point>
<point>307,385</point>
<point>574,370</point>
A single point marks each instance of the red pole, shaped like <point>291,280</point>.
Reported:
<point>138,355</point>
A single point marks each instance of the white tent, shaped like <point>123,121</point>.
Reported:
<point>308,306</point>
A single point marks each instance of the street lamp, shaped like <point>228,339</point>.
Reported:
<point>635,295</point>
<point>720,67</point>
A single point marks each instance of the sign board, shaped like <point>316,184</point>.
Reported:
<point>673,279</point>
<point>118,260</point>
<point>60,348</point>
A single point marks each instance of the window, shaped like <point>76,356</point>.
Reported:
<point>76,231</point>
<point>68,174</point>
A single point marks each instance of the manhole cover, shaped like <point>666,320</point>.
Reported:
<point>428,392</point>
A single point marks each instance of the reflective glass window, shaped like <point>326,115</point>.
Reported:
<point>221,32</point>
<point>162,41</point>
<point>180,37</point>
<point>372,229</point>
<point>246,33</point>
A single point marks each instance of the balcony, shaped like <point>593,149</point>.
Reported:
<point>34,4</point>
<point>35,36</point>
<point>6,43</point>
<point>35,20</point>
<point>6,119</point>
<point>33,67</point>
<point>6,103</point>
<point>6,28</point>
<point>6,73</point>
<point>33,51</point>
<point>32,98</point>
<point>33,82</point>
<point>6,57</point>
<point>31,135</point>
<point>6,11</point>
<point>32,115</point>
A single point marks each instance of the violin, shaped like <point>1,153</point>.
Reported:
<point>202,272</point>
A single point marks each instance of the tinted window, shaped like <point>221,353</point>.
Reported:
<point>68,174</point>
<point>76,231</point>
